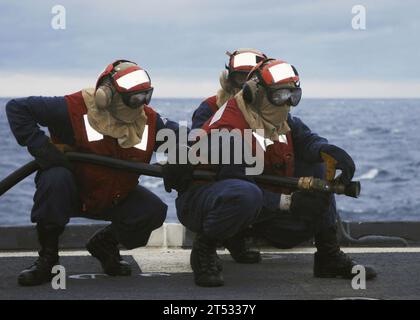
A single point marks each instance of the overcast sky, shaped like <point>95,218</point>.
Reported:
<point>182,44</point>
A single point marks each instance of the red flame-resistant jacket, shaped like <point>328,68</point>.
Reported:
<point>278,156</point>
<point>101,187</point>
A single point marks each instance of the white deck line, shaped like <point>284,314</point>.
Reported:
<point>168,261</point>
<point>142,251</point>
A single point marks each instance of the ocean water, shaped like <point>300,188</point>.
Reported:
<point>382,136</point>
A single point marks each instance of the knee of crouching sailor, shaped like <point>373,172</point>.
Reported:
<point>248,195</point>
<point>56,178</point>
<point>156,214</point>
<point>251,197</point>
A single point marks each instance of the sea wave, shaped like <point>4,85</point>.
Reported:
<point>378,130</point>
<point>355,132</point>
<point>370,175</point>
<point>385,150</point>
<point>152,184</point>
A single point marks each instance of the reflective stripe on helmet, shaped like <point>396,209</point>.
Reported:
<point>243,60</point>
<point>109,70</point>
<point>281,72</point>
<point>248,59</point>
<point>133,79</point>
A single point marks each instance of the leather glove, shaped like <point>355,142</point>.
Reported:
<point>48,156</point>
<point>177,176</point>
<point>309,205</point>
<point>344,162</point>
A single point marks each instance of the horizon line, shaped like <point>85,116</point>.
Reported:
<point>197,98</point>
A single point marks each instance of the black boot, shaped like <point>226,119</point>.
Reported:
<point>40,271</point>
<point>239,250</point>
<point>103,245</point>
<point>205,263</point>
<point>331,262</point>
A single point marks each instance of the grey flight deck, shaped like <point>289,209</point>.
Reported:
<point>167,275</point>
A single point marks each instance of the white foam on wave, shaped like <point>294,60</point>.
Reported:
<point>355,132</point>
<point>152,184</point>
<point>371,174</point>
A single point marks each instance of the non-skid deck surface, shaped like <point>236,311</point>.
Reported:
<point>166,275</point>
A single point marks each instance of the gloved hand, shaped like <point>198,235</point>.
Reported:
<point>309,205</point>
<point>48,156</point>
<point>344,162</point>
<point>177,176</point>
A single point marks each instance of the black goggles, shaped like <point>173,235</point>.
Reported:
<point>137,99</point>
<point>281,96</point>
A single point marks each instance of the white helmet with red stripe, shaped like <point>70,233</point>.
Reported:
<point>241,62</point>
<point>272,72</point>
<point>126,78</point>
<point>279,79</point>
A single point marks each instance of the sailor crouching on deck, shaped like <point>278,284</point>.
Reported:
<point>113,120</point>
<point>234,203</point>
<point>240,63</point>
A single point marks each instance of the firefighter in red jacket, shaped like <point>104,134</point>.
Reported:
<point>113,120</point>
<point>234,203</point>
<point>241,62</point>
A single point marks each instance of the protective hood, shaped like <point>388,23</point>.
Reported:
<point>271,118</point>
<point>116,120</point>
<point>226,90</point>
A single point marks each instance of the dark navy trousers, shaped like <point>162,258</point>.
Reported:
<point>221,209</point>
<point>56,200</point>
